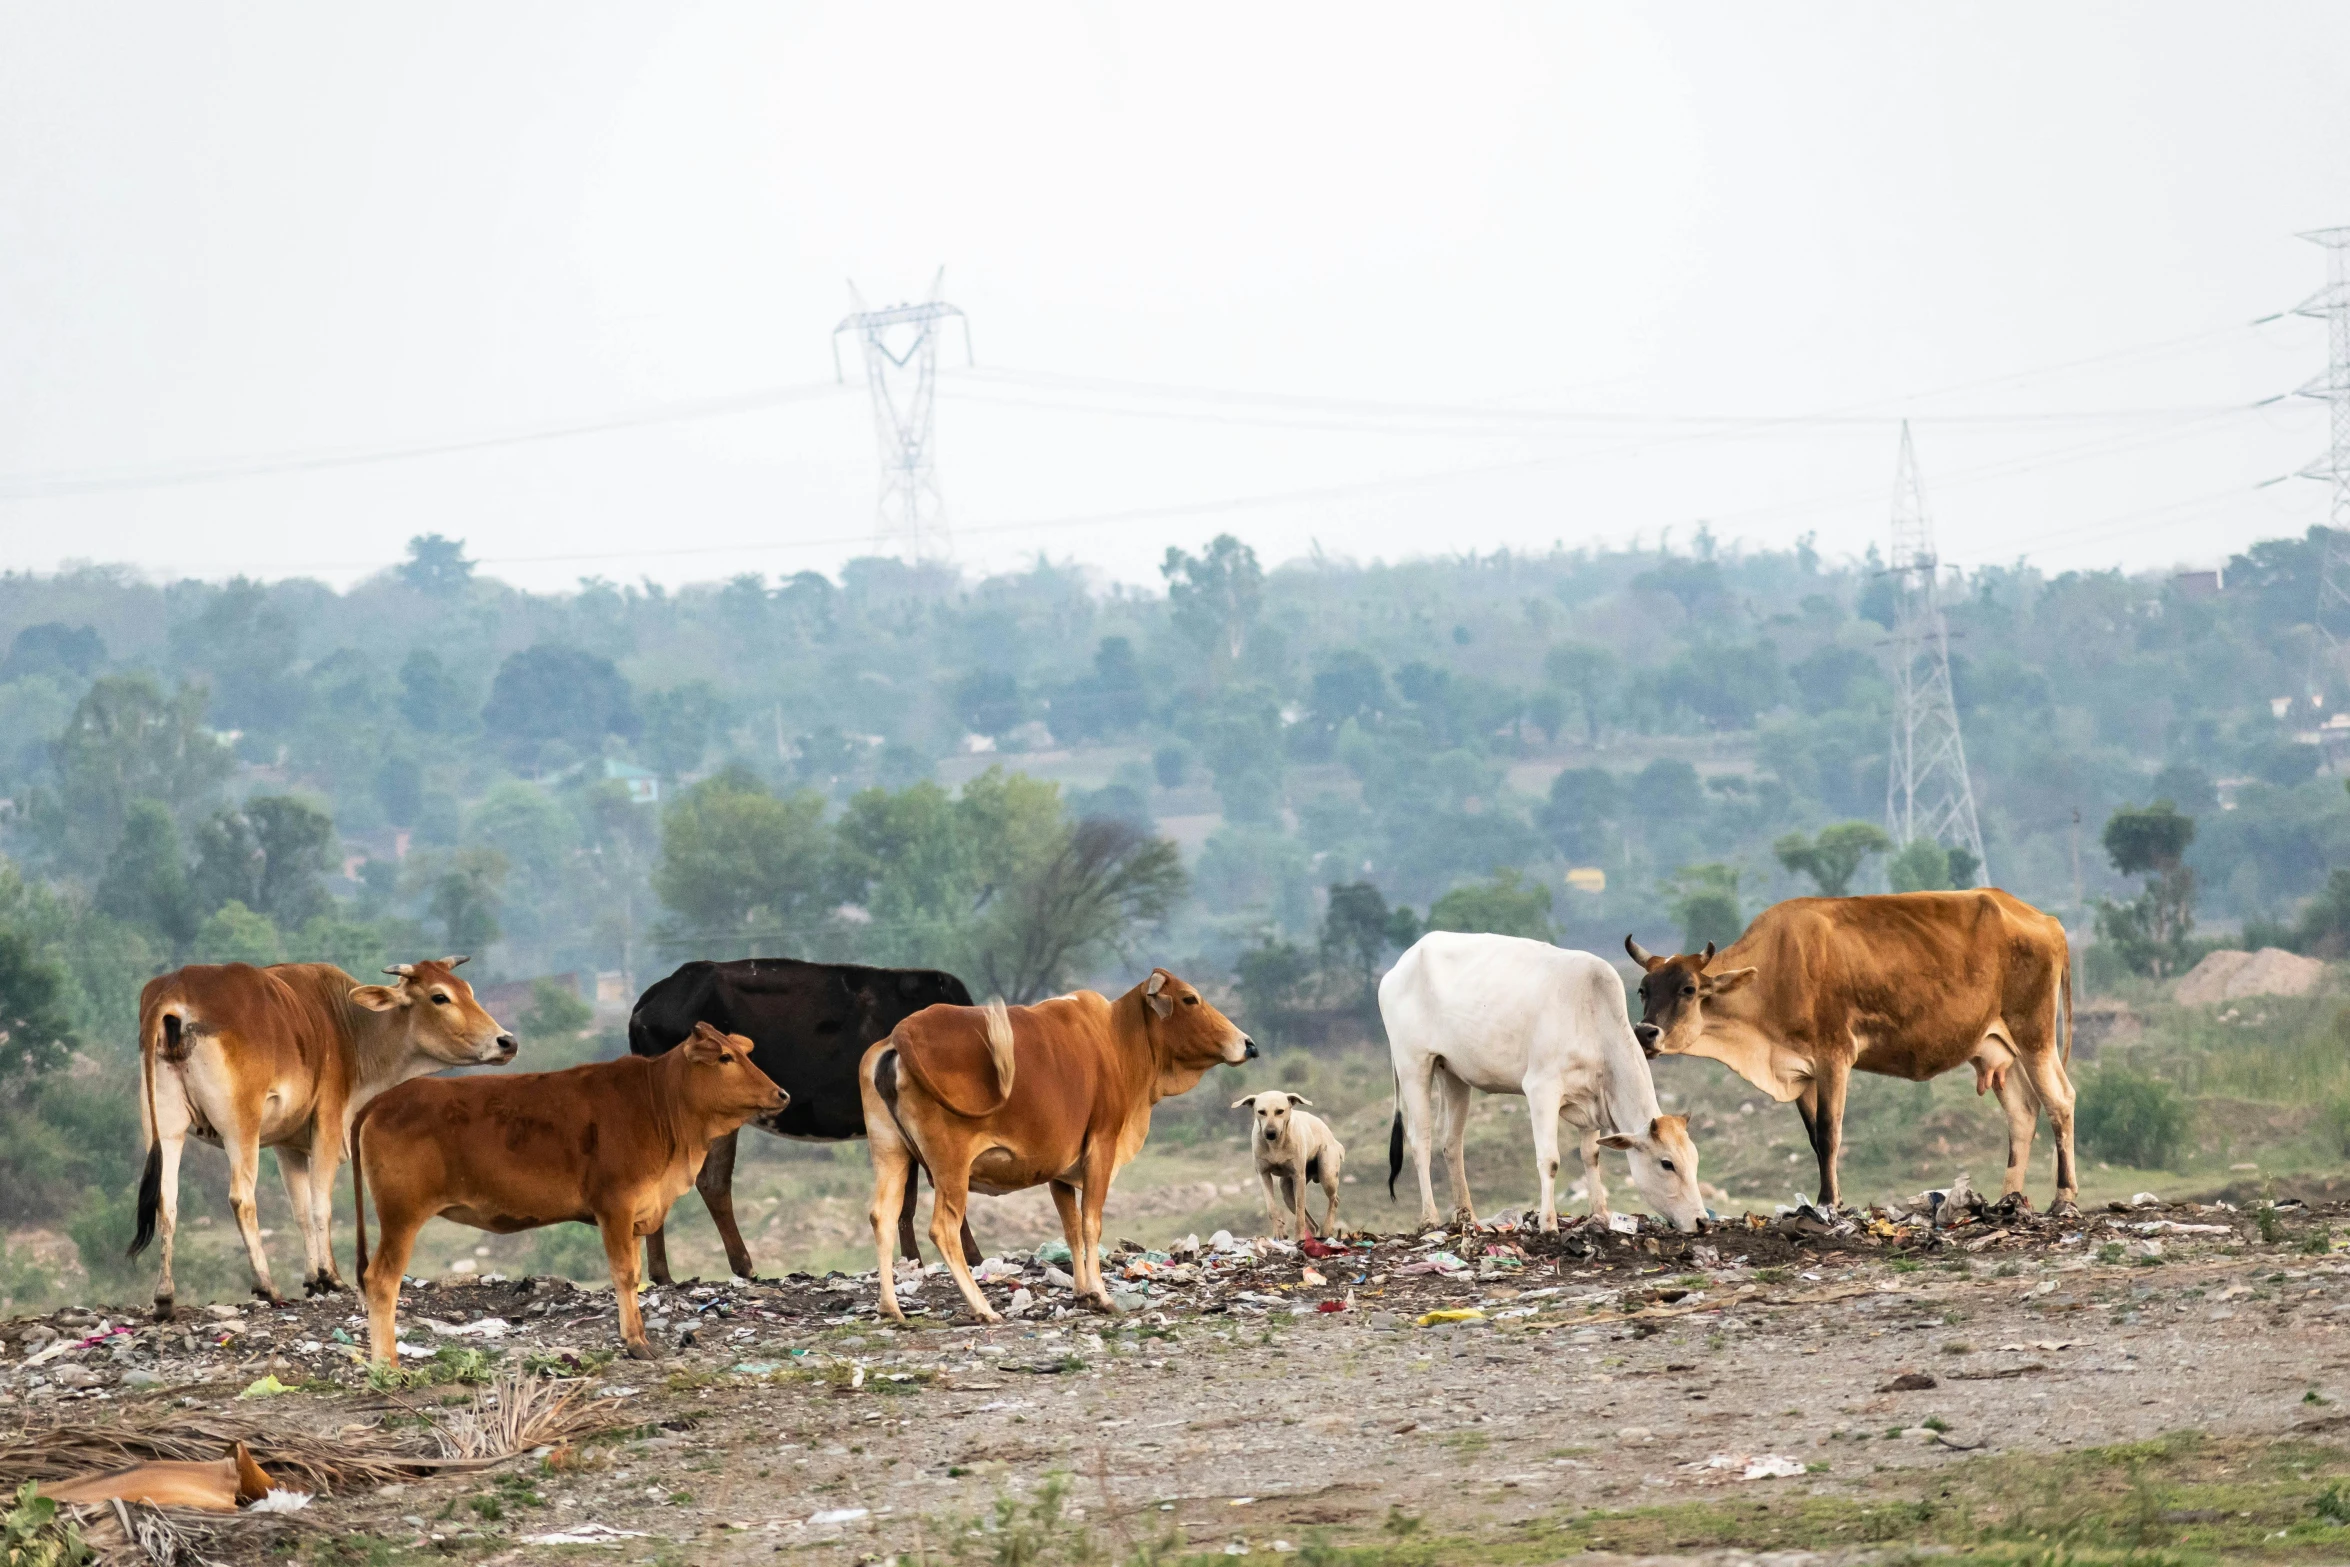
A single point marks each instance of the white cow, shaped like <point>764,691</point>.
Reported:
<point>1512,1016</point>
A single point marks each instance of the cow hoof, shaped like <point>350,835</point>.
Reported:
<point>268,1296</point>
<point>163,1308</point>
<point>2064,1208</point>
<point>639,1349</point>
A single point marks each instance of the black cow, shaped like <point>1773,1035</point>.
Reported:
<point>809,1024</point>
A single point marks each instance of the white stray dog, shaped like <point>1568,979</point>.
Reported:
<point>1294,1149</point>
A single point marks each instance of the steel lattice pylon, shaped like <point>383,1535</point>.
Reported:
<point>2332,306</point>
<point>1927,792</point>
<point>901,368</point>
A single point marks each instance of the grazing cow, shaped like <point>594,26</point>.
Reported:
<point>1295,1149</point>
<point>611,1144</point>
<point>809,1024</point>
<point>1910,984</point>
<point>1001,1099</point>
<point>1512,1016</point>
<point>282,1057</point>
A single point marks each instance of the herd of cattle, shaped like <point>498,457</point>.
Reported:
<point>303,1059</point>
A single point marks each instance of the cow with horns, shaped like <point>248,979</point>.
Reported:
<point>283,1057</point>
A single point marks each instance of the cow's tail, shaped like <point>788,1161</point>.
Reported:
<point>359,1195</point>
<point>2065,991</point>
<point>958,1096</point>
<point>1395,1140</point>
<point>169,1040</point>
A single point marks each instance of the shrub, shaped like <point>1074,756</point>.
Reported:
<point>2131,1119</point>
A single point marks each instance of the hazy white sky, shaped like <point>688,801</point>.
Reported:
<point>1396,280</point>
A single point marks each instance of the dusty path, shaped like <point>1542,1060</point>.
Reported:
<point>1614,1399</point>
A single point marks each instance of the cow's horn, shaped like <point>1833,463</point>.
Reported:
<point>1709,955</point>
<point>456,961</point>
<point>1639,954</point>
<point>404,970</point>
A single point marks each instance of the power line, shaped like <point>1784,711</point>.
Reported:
<point>215,470</point>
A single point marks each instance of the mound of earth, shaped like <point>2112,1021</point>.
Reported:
<point>2232,976</point>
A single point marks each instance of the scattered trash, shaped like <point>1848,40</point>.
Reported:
<point>282,1502</point>
<point>586,1534</point>
<point>266,1386</point>
<point>1772,1466</point>
<point>1429,1319</point>
<point>1624,1223</point>
<point>838,1515</point>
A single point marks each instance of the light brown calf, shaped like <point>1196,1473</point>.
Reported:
<point>998,1099</point>
<point>611,1144</point>
<point>283,1057</point>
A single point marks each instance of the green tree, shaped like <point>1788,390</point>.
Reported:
<point>1505,905</point>
<point>741,867</point>
<point>1584,803</point>
<point>1925,866</point>
<point>680,723</point>
<point>270,855</point>
<point>234,933</point>
<point>146,879</point>
<point>550,693</point>
<point>35,1032</point>
<point>1275,981</point>
<point>1105,882</point>
<point>555,1012</point>
<point>465,892</point>
<point>2150,932</point>
<point>126,742</point>
<point>1213,598</point>
<point>431,697</point>
<point>1356,933</point>
<point>1588,673</point>
<point>1704,903</point>
<point>436,566</point>
<point>1835,857</point>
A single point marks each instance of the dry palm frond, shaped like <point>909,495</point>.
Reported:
<point>129,1534</point>
<point>515,1415</point>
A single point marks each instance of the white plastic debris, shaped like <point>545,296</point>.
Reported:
<point>1022,1299</point>
<point>585,1534</point>
<point>281,1502</point>
<point>838,1515</point>
<point>1624,1223</point>
<point>484,1327</point>
<point>1771,1466</point>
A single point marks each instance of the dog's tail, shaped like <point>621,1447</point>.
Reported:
<point>1395,1141</point>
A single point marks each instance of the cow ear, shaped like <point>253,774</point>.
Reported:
<point>1156,991</point>
<point>1728,980</point>
<point>1618,1141</point>
<point>376,998</point>
<point>705,1044</point>
<point>1248,1102</point>
<point>1709,955</point>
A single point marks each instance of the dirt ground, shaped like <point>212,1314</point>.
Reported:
<point>2163,1377</point>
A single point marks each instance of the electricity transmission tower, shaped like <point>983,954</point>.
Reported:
<point>901,368</point>
<point>1927,793</point>
<point>2331,305</point>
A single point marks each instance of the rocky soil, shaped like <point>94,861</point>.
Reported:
<point>1509,1393</point>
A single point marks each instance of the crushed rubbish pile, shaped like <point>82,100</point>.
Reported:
<point>557,1329</point>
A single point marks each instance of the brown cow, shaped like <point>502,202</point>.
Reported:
<point>942,1092</point>
<point>282,1057</point>
<point>1909,984</point>
<point>611,1144</point>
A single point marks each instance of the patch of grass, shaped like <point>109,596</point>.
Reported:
<point>1041,1532</point>
<point>449,1363</point>
<point>33,1534</point>
<point>2131,1118</point>
<point>568,1363</point>
<point>692,1379</point>
<point>2272,1227</point>
<point>1904,1265</point>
